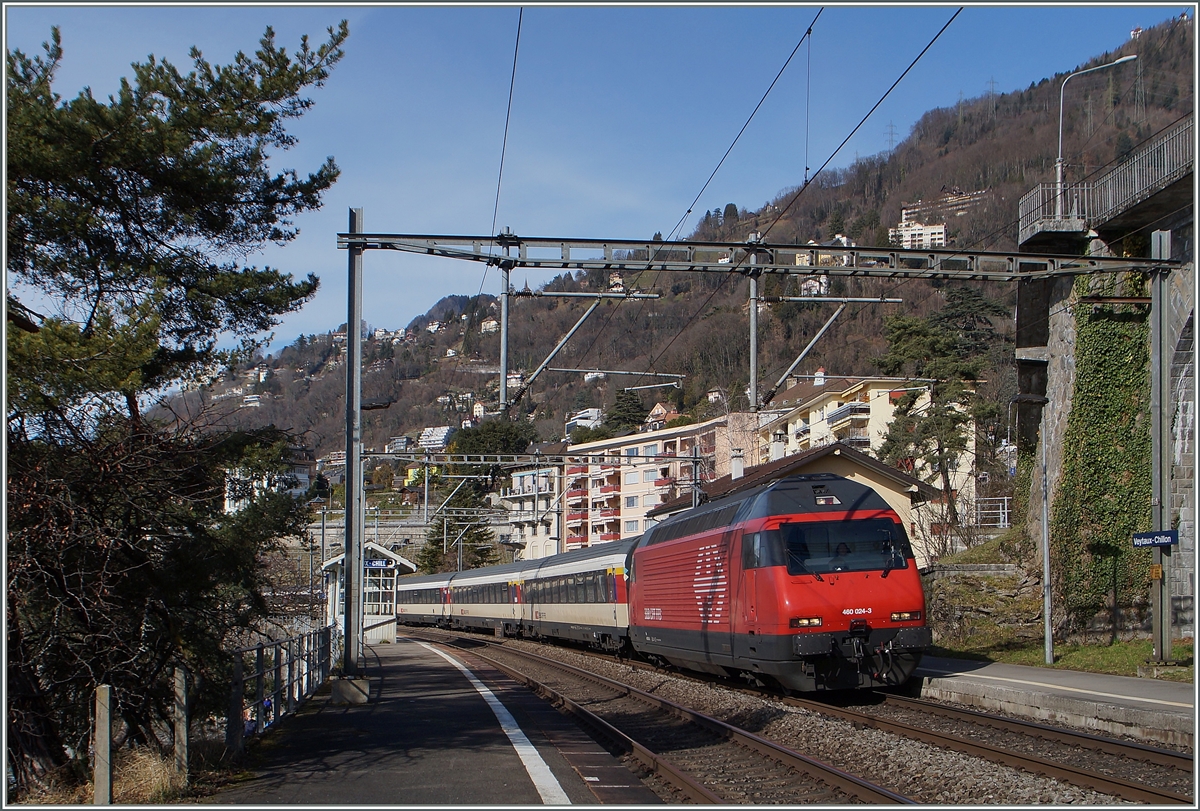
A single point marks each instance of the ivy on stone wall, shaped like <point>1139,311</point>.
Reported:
<point>1104,491</point>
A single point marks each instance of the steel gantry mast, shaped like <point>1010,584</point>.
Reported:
<point>560,253</point>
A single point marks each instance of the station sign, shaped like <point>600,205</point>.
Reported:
<point>1163,537</point>
<point>377,563</point>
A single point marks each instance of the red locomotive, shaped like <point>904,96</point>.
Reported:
<point>808,581</point>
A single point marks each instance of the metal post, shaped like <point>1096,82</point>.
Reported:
<point>277,693</point>
<point>1047,630</point>
<point>1058,163</point>
<point>260,672</point>
<point>353,526</point>
<point>695,471</point>
<point>102,744</point>
<point>293,646</point>
<point>1160,493</point>
<point>753,327</point>
<point>181,725</point>
<point>426,477</point>
<point>504,285</point>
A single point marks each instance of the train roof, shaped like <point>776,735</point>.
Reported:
<point>427,580</point>
<point>521,568</point>
<point>805,493</point>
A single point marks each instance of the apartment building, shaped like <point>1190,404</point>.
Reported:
<point>918,235</point>
<point>534,506</point>
<point>856,412</point>
<point>614,482</point>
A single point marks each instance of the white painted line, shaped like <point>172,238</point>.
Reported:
<point>543,779</point>
<point>953,674</point>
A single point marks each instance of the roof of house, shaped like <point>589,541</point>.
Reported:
<point>765,473</point>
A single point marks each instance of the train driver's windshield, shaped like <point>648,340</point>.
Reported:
<point>845,546</point>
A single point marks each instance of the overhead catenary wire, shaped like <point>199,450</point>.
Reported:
<point>512,83</point>
<point>800,191</point>
<point>650,258</point>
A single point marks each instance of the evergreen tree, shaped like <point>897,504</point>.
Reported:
<point>949,347</point>
<point>627,412</point>
<point>730,215</point>
<point>129,219</point>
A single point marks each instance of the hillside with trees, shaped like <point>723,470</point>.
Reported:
<point>1000,144</point>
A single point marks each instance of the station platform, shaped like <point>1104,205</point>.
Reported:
<point>436,731</point>
<point>1152,710</point>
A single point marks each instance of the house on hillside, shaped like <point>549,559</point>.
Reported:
<point>659,416</point>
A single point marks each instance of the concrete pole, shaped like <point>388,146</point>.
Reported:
<point>102,744</point>
<point>1160,432</point>
<point>181,725</point>
<point>353,525</point>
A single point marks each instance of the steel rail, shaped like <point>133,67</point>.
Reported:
<point>1129,749</point>
<point>658,764</point>
<point>844,781</point>
<point>1079,777</point>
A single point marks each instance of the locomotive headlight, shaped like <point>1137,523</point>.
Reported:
<point>804,622</point>
<point>905,616</point>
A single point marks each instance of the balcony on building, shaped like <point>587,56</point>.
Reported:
<point>609,536</point>
<point>664,481</point>
<point>856,438</point>
<point>850,412</point>
<point>575,493</point>
<point>577,518</point>
<point>577,470</point>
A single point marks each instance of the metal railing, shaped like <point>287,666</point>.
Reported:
<point>271,680</point>
<point>993,512</point>
<point>1146,172</point>
<point>855,409</point>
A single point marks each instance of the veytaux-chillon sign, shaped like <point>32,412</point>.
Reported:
<point>1164,537</point>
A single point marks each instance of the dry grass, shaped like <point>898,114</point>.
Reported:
<point>141,776</point>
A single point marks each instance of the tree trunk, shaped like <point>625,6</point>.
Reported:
<point>35,750</point>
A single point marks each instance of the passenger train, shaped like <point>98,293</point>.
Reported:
<point>808,581</point>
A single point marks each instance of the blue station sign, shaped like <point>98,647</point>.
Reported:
<point>377,563</point>
<point>1164,537</point>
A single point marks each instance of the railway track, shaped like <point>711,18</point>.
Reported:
<point>1125,770</point>
<point>702,758</point>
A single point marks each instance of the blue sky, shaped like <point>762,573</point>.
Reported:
<point>620,113</point>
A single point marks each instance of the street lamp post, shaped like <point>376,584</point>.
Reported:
<point>1058,163</point>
